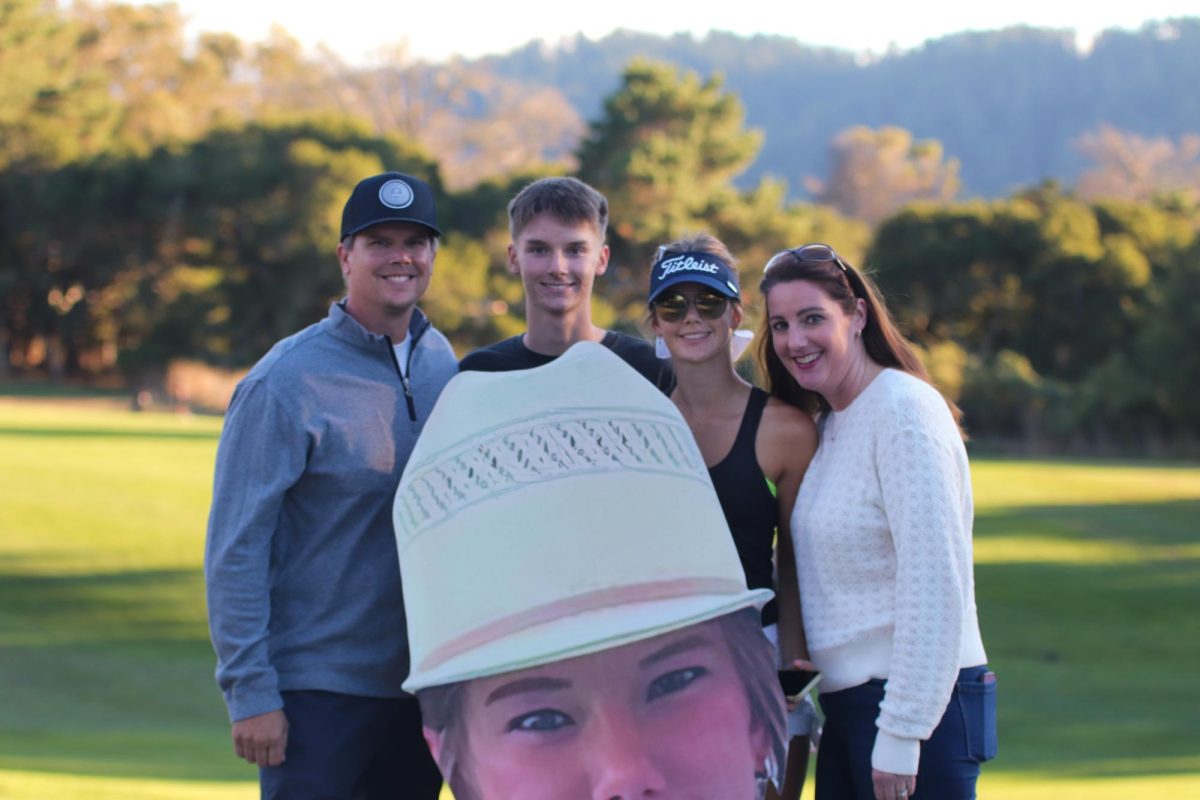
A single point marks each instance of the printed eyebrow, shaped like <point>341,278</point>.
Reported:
<point>674,648</point>
<point>521,685</point>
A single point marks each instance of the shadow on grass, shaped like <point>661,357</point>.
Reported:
<point>111,674</point>
<point>1171,522</point>
<point>1096,657</point>
<point>54,391</point>
<point>983,453</point>
<point>84,607</point>
<point>109,433</point>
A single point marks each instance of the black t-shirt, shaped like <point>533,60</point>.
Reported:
<point>512,354</point>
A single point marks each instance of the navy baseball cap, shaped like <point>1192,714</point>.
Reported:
<point>390,197</point>
<point>702,268</point>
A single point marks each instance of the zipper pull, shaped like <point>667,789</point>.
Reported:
<point>408,398</point>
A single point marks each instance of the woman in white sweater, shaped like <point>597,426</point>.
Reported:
<point>882,538</point>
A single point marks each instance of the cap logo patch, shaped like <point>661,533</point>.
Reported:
<point>686,264</point>
<point>396,194</point>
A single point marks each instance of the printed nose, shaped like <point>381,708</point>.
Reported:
<point>624,767</point>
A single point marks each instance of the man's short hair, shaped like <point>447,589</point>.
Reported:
<point>568,200</point>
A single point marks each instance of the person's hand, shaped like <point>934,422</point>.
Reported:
<point>889,786</point>
<point>262,740</point>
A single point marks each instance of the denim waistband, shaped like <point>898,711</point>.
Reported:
<point>966,674</point>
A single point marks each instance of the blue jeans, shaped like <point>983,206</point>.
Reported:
<point>345,747</point>
<point>950,758</point>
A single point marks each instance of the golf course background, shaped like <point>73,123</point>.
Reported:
<point>1088,581</point>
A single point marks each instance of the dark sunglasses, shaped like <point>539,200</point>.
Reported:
<point>674,307</point>
<point>812,253</point>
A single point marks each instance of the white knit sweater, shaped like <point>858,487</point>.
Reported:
<point>882,533</point>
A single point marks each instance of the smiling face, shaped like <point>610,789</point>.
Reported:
<point>558,263</point>
<point>817,340</point>
<point>665,717</point>
<point>697,337</point>
<point>387,268</point>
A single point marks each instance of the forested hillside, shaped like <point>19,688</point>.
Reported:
<point>1010,105</point>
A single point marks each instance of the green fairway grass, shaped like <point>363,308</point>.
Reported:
<point>1088,581</point>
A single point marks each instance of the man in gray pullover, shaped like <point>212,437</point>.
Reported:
<point>305,606</point>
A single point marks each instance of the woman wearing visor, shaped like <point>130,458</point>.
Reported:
<point>750,441</point>
<point>882,538</point>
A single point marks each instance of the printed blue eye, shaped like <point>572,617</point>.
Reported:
<point>674,681</point>
<point>540,721</point>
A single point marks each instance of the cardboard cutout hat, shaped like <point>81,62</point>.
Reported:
<point>555,512</point>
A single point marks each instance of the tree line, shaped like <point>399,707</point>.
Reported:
<point>159,203</point>
<point>1013,106</point>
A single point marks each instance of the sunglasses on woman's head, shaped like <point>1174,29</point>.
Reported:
<point>674,307</point>
<point>813,254</point>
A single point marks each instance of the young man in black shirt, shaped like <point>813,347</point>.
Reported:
<point>557,227</point>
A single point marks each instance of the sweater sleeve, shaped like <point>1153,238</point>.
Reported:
<point>921,478</point>
<point>261,454</point>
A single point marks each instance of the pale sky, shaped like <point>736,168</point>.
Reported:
<point>434,30</point>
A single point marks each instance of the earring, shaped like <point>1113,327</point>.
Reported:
<point>660,348</point>
<point>738,343</point>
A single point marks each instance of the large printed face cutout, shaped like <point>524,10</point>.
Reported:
<point>631,662</point>
<point>678,715</point>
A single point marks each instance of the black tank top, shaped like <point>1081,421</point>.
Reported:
<point>750,508</point>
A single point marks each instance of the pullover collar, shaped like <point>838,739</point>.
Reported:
<point>341,325</point>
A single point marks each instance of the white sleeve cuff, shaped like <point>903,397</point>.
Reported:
<point>896,755</point>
